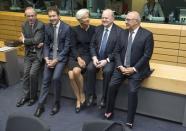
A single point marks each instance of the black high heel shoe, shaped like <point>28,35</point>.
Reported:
<point>83,105</point>
<point>77,109</point>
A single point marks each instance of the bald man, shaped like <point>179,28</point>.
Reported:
<point>132,55</point>
<point>101,48</point>
<point>32,36</point>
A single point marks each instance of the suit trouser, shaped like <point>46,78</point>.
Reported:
<point>52,75</point>
<point>91,78</point>
<point>133,87</point>
<point>32,66</point>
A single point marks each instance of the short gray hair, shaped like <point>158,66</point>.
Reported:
<point>80,13</point>
<point>30,8</point>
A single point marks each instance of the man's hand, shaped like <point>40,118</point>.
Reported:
<point>40,45</point>
<point>47,61</point>
<point>22,38</point>
<point>101,63</point>
<point>121,69</point>
<point>95,61</point>
<point>129,71</point>
<point>81,62</point>
<point>52,63</point>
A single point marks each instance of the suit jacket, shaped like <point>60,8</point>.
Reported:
<point>33,37</point>
<point>63,41</point>
<point>141,51</point>
<point>111,42</point>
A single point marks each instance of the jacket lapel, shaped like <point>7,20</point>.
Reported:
<point>100,35</point>
<point>137,37</point>
<point>51,31</point>
<point>60,29</point>
<point>35,27</point>
<point>111,36</point>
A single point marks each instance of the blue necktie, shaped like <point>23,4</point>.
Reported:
<point>128,51</point>
<point>103,45</point>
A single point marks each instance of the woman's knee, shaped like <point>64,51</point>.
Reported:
<point>71,75</point>
<point>76,71</point>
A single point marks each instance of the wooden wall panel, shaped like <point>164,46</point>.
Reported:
<point>170,40</point>
<point>11,33</point>
<point>182,60</point>
<point>167,45</point>
<point>183,31</point>
<point>164,58</point>
<point>183,39</point>
<point>166,51</point>
<point>163,62</point>
<point>166,38</point>
<point>182,46</point>
<point>8,37</point>
<point>182,53</point>
<point>166,29</point>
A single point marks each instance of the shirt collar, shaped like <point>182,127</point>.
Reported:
<point>58,24</point>
<point>109,29</point>
<point>136,30</point>
<point>86,28</point>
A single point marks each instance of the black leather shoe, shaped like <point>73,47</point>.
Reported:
<point>129,125</point>
<point>39,111</point>
<point>31,102</point>
<point>22,101</point>
<point>91,100</point>
<point>55,109</point>
<point>102,104</point>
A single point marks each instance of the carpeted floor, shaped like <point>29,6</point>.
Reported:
<point>68,120</point>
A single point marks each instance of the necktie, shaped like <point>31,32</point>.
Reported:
<point>128,51</point>
<point>55,44</point>
<point>103,44</point>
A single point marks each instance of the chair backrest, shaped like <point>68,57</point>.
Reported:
<point>23,122</point>
<point>103,125</point>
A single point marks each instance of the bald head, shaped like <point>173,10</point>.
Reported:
<point>109,12</point>
<point>107,18</point>
<point>30,9</point>
<point>134,15</point>
<point>31,15</point>
<point>133,20</point>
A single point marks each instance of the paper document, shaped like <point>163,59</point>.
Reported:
<point>6,48</point>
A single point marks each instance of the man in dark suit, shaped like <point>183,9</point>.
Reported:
<point>132,55</point>
<point>101,49</point>
<point>56,49</point>
<point>32,37</point>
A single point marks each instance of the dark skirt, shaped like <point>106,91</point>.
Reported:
<point>74,63</point>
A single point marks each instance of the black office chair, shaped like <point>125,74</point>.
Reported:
<point>103,125</point>
<point>22,122</point>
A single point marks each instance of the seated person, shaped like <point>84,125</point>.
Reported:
<point>119,6</point>
<point>78,61</point>
<point>152,9</point>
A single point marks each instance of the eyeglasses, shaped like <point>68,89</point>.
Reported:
<point>128,20</point>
